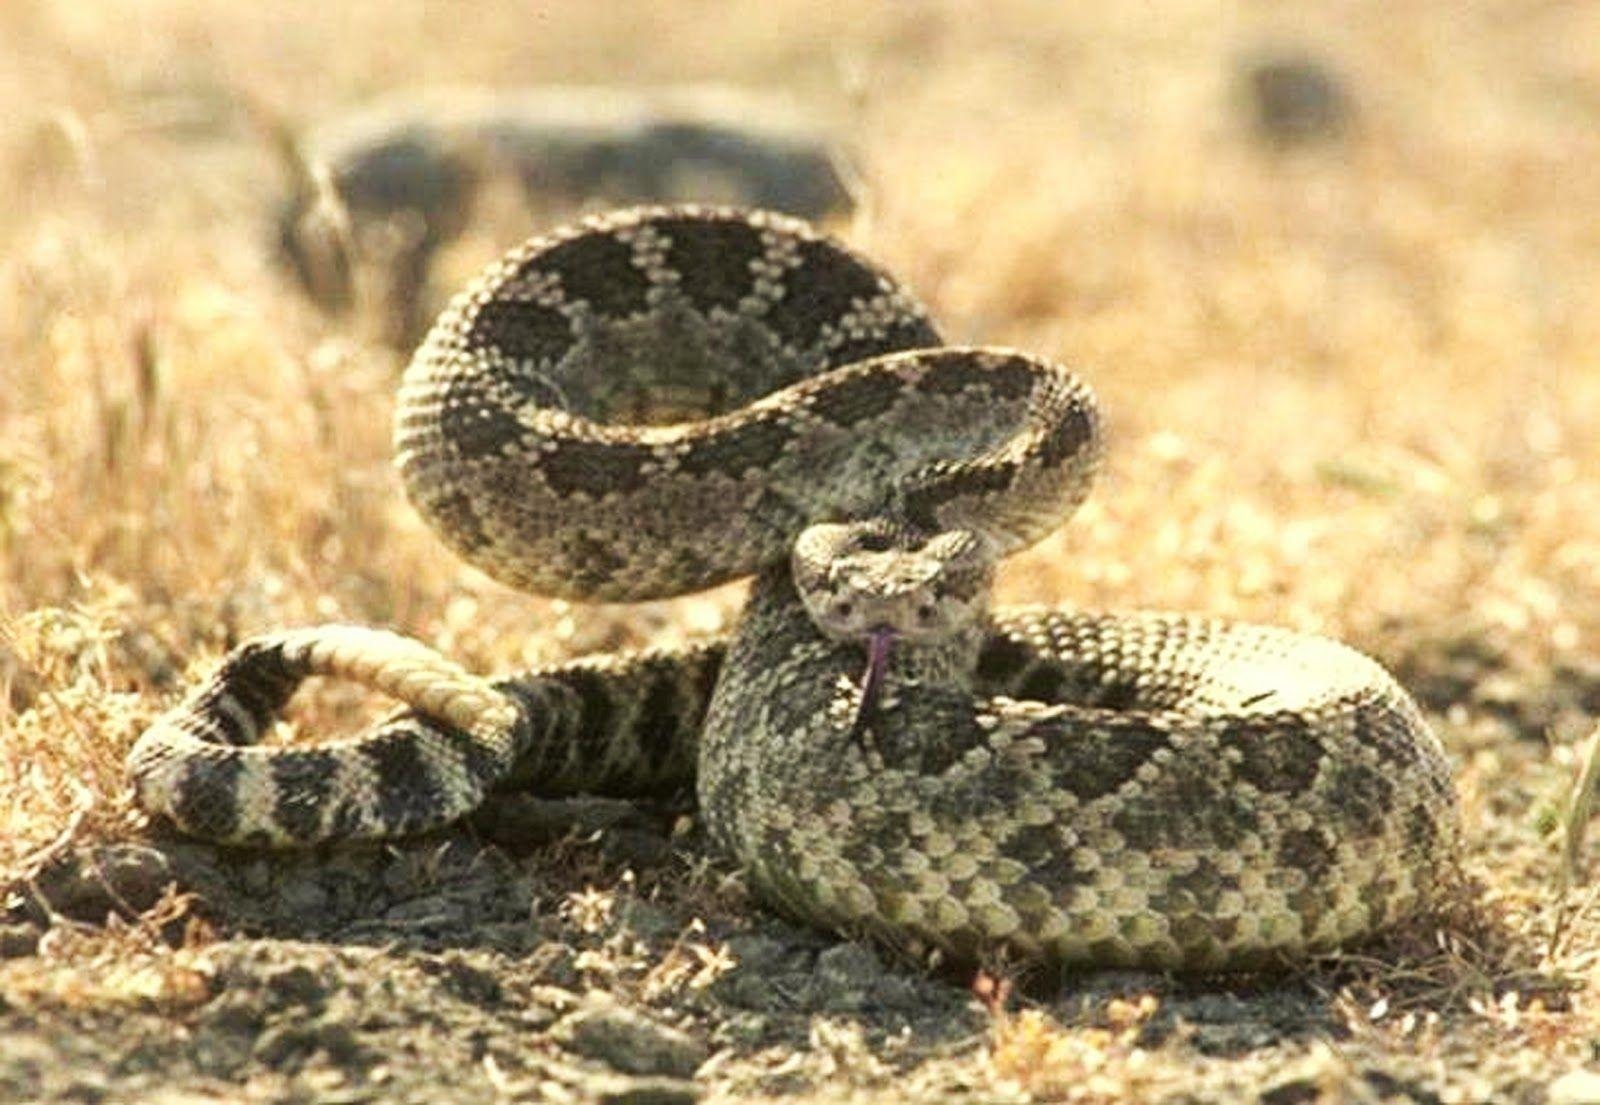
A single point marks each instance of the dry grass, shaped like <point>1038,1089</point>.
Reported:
<point>1352,389</point>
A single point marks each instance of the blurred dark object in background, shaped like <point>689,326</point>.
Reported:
<point>375,194</point>
<point>1295,99</point>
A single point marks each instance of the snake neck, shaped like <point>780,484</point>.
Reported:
<point>949,663</point>
<point>786,715</point>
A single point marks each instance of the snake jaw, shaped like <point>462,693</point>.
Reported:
<point>880,644</point>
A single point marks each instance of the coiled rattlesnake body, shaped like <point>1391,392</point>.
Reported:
<point>662,399</point>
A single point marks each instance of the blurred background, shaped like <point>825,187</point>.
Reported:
<point>1331,267</point>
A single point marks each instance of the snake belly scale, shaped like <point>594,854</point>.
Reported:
<point>658,400</point>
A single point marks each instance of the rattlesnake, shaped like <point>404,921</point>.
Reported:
<point>660,399</point>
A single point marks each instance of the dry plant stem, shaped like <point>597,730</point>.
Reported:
<point>1574,827</point>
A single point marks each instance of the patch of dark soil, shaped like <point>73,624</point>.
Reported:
<point>92,884</point>
<point>1220,1017</point>
<point>1476,671</point>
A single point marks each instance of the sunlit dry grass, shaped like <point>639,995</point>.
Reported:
<point>1351,388</point>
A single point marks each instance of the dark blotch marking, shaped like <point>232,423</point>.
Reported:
<point>1279,754</point>
<point>1046,683</point>
<point>344,823</point>
<point>960,374</point>
<point>302,779</point>
<point>207,797</point>
<point>1042,850</point>
<point>1147,825</point>
<point>900,335</point>
<point>1362,794</point>
<point>585,466</point>
<point>687,562</point>
<point>260,696</point>
<point>1379,727</point>
<point>407,789</point>
<point>476,428</point>
<point>1422,829</point>
<point>1002,660</point>
<point>1225,816</point>
<point>750,446</point>
<point>1307,850</point>
<point>1186,806</point>
<point>779,516</point>
<point>660,722</point>
<point>712,258</point>
<point>594,562</point>
<point>259,679</point>
<point>853,399</point>
<point>1114,696</point>
<point>551,708</point>
<point>904,745</point>
<point>820,290</point>
<point>522,330</point>
<point>457,517</point>
<point>546,713</point>
<point>1068,437</point>
<point>597,712</point>
<point>1205,883</point>
<point>922,502</point>
<point>598,269</point>
<point>480,761</point>
<point>1106,759</point>
<point>1380,897</point>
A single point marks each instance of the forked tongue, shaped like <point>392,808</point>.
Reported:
<point>880,642</point>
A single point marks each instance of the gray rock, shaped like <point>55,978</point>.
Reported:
<point>1295,99</point>
<point>88,884</point>
<point>628,1042</point>
<point>846,977</point>
<point>755,951</point>
<point>377,193</point>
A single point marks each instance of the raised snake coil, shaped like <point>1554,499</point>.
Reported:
<point>661,399</point>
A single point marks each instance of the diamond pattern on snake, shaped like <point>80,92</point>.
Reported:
<point>657,400</point>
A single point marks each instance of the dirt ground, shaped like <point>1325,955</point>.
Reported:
<point>1344,325</point>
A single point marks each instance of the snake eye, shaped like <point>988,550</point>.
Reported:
<point>874,541</point>
<point>845,609</point>
<point>925,613</point>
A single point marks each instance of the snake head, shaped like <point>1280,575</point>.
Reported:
<point>876,581</point>
<point>880,584</point>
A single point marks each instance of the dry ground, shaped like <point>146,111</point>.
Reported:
<point>1354,387</point>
